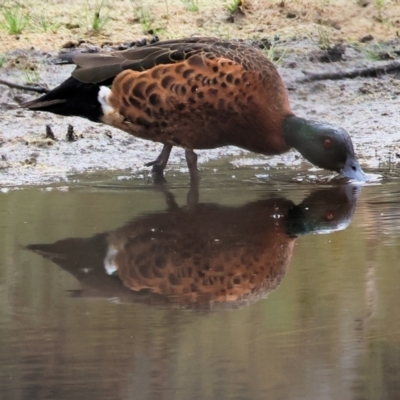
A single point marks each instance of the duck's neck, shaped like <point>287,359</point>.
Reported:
<point>295,131</point>
<point>306,137</point>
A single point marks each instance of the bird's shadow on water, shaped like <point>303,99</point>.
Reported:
<point>201,255</point>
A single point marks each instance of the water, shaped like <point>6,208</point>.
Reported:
<point>315,315</point>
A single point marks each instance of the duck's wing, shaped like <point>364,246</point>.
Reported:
<point>98,68</point>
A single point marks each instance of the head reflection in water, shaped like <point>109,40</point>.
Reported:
<point>205,255</point>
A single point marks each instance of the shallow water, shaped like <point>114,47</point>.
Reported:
<point>267,289</point>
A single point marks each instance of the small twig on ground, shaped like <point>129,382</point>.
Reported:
<point>49,133</point>
<point>368,72</point>
<point>37,89</point>
<point>71,136</point>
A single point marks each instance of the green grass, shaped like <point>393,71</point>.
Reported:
<point>45,24</point>
<point>275,56</point>
<point>100,18</point>
<point>379,4</point>
<point>191,5</point>
<point>15,19</point>
<point>96,15</point>
<point>379,51</point>
<point>323,41</point>
<point>31,76</point>
<point>142,14</point>
<point>147,22</point>
<point>373,52</point>
<point>3,59</point>
<point>234,5</point>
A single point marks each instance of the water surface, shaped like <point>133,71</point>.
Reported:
<point>265,289</point>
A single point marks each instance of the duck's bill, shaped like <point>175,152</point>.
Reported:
<point>352,170</point>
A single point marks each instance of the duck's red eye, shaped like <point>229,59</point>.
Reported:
<point>329,215</point>
<point>327,143</point>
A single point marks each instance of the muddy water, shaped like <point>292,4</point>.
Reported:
<point>265,289</point>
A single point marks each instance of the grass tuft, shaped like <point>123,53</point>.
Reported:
<point>276,56</point>
<point>15,20</point>
<point>100,19</point>
<point>97,16</point>
<point>191,5</point>
<point>3,59</point>
<point>323,41</point>
<point>379,4</point>
<point>45,24</point>
<point>234,5</point>
<point>31,76</point>
<point>142,14</point>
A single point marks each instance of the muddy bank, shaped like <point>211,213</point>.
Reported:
<point>367,107</point>
<point>50,24</point>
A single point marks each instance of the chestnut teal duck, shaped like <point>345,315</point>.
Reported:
<point>197,93</point>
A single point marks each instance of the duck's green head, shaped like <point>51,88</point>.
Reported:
<point>324,145</point>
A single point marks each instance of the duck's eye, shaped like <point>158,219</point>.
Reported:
<point>327,143</point>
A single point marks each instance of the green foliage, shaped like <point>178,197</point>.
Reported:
<point>275,56</point>
<point>142,14</point>
<point>3,59</point>
<point>234,5</point>
<point>323,41</point>
<point>379,51</point>
<point>191,5</point>
<point>31,76</point>
<point>95,15</point>
<point>100,18</point>
<point>379,4</point>
<point>15,19</point>
<point>45,24</point>
<point>146,21</point>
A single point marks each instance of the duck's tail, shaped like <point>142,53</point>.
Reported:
<point>71,98</point>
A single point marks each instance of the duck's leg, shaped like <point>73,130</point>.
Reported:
<point>193,194</point>
<point>191,159</point>
<point>160,162</point>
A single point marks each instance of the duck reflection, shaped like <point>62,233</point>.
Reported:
<point>205,255</point>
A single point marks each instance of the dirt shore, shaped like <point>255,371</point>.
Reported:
<point>302,36</point>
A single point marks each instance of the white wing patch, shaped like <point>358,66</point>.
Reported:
<point>102,97</point>
<point>109,263</point>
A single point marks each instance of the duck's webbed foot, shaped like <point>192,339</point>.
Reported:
<point>160,162</point>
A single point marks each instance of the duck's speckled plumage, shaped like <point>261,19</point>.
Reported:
<point>215,253</point>
<point>196,93</point>
<point>198,104</point>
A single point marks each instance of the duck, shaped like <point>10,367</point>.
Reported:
<point>201,255</point>
<point>197,93</point>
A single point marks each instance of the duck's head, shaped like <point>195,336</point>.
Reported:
<point>324,145</point>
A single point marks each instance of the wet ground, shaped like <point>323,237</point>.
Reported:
<point>271,286</point>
